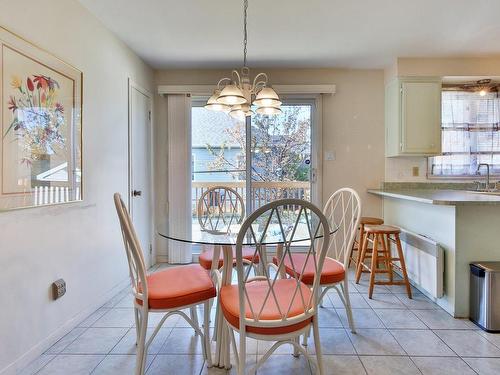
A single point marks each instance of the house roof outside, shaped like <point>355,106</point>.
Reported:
<point>208,127</point>
<point>58,174</point>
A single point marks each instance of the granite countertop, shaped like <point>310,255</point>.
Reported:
<point>440,196</point>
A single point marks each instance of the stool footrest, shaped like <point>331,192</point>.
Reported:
<point>402,282</point>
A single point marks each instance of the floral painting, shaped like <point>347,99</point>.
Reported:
<point>37,117</point>
<point>40,148</point>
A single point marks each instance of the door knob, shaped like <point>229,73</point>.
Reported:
<point>136,193</point>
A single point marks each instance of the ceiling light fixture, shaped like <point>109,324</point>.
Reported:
<point>483,85</point>
<point>235,94</point>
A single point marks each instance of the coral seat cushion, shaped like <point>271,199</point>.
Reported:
<point>179,286</point>
<point>257,291</point>
<point>207,256</point>
<point>333,271</point>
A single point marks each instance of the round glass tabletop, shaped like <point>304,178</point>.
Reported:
<point>297,228</point>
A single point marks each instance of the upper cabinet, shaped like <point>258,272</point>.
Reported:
<point>413,117</point>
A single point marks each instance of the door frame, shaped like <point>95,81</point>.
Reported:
<point>316,101</point>
<point>132,85</point>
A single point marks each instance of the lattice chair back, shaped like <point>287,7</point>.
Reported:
<point>218,208</point>
<point>275,301</point>
<point>135,257</point>
<point>343,211</point>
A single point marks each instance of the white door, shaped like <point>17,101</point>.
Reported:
<point>140,146</point>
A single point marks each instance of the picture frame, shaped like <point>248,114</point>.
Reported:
<point>41,126</point>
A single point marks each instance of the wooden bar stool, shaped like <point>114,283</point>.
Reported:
<point>381,236</point>
<point>356,246</point>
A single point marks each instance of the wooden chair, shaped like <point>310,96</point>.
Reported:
<point>168,291</point>
<point>268,307</point>
<point>356,246</point>
<point>342,210</point>
<point>218,209</point>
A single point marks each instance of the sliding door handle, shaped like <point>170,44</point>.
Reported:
<point>136,193</point>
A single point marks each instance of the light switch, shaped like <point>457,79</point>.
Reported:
<point>329,155</point>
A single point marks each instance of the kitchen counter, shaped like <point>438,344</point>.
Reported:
<point>439,196</point>
<point>465,224</point>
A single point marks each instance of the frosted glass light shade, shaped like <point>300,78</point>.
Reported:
<point>231,95</point>
<point>213,105</point>
<point>267,97</point>
<point>240,111</point>
<point>268,110</point>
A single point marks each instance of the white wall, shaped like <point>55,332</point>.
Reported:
<point>79,242</point>
<point>353,127</point>
<point>400,169</point>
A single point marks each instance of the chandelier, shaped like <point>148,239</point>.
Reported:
<point>235,95</point>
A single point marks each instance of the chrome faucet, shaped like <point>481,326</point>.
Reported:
<point>487,187</point>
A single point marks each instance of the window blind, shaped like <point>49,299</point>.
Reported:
<point>179,176</point>
<point>470,134</point>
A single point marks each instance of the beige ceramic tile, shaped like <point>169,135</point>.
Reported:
<point>394,365</point>
<point>440,366</point>
<point>421,343</point>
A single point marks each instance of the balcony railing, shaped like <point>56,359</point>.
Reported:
<point>262,192</point>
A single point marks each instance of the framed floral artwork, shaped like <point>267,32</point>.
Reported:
<point>41,124</point>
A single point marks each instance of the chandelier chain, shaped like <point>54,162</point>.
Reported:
<point>237,94</point>
<point>245,7</point>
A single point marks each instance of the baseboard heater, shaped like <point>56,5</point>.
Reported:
<point>424,259</point>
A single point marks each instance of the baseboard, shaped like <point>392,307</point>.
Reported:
<point>42,346</point>
<point>160,258</point>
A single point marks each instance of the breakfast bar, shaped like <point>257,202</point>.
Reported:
<point>464,223</point>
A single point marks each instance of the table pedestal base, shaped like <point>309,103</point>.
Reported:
<point>222,351</point>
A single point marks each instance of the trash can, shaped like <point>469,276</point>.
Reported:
<point>485,295</point>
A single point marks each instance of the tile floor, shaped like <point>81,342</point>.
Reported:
<point>395,335</point>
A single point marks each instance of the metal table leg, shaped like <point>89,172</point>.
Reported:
<point>222,357</point>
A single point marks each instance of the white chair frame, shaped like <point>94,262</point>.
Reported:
<point>349,203</point>
<point>138,278</point>
<point>310,308</point>
<point>233,199</point>
<point>236,218</point>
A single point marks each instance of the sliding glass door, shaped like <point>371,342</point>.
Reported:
<point>264,158</point>
<point>218,153</point>
<point>281,151</point>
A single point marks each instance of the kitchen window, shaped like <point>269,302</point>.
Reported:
<point>470,134</point>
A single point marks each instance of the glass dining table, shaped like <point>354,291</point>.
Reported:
<point>273,235</point>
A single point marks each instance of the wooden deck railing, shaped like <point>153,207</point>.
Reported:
<point>54,194</point>
<point>262,192</point>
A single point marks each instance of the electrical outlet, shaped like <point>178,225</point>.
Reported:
<point>58,288</point>
<point>415,171</point>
